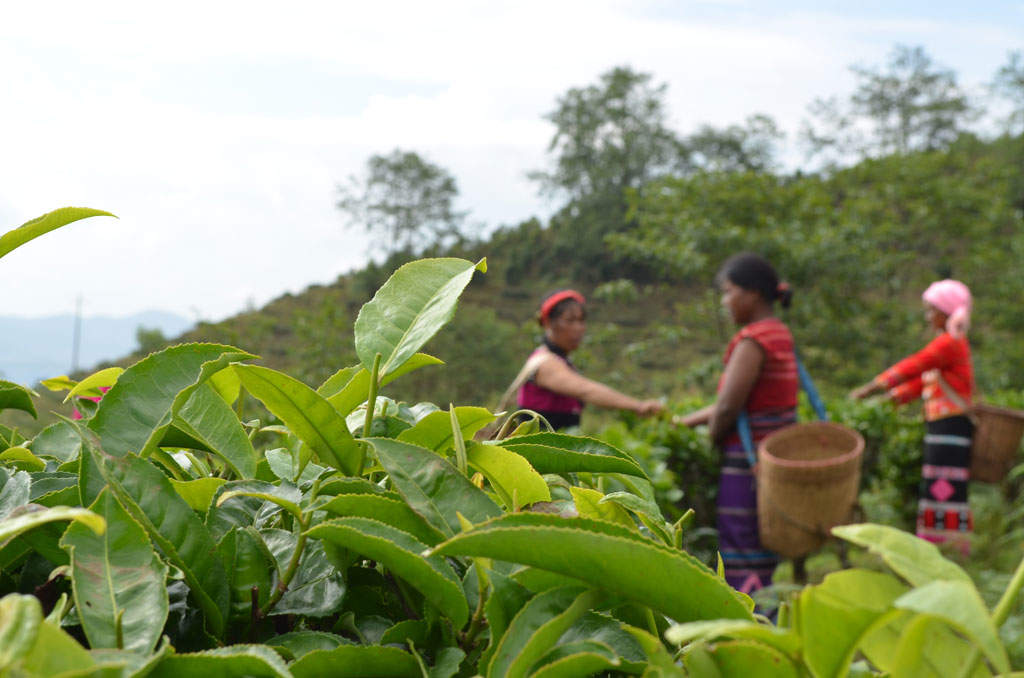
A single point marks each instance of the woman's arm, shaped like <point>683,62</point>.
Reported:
<point>738,381</point>
<point>556,376</point>
<point>693,419</point>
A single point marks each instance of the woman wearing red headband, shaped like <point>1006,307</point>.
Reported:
<point>549,384</point>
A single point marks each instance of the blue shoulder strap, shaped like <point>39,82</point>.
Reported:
<point>807,384</point>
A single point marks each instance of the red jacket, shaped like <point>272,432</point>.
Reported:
<point>917,376</point>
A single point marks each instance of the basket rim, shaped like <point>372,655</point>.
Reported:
<point>996,409</point>
<point>857,450</point>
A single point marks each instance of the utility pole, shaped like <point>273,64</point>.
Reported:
<point>76,338</point>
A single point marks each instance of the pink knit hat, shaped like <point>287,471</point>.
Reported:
<point>953,298</point>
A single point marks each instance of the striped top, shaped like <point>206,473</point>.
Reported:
<point>917,376</point>
<point>772,402</point>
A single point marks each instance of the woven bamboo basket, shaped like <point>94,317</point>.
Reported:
<point>997,436</point>
<point>807,481</point>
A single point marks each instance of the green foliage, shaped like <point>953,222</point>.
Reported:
<point>50,221</point>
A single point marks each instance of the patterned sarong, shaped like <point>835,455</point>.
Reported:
<point>943,515</point>
<point>748,565</point>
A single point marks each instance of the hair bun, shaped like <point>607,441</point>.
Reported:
<point>784,293</point>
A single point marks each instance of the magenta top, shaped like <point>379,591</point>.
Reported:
<point>561,411</point>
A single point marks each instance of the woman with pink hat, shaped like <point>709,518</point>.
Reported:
<point>941,373</point>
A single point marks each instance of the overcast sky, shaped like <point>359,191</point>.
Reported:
<point>218,131</point>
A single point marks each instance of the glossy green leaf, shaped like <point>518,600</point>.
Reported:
<point>249,565</point>
<point>338,486</point>
<point>117,580</point>
<point>609,557</point>
<point>307,414</point>
<point>605,629</point>
<point>916,560</point>
<point>433,487</point>
<point>783,640</point>
<point>282,464</point>
<point>103,379</point>
<point>646,509</point>
<point>507,597</point>
<point>749,658</point>
<point>561,453</point>
<point>285,495</point>
<point>27,518</point>
<point>21,458</point>
<point>959,604</point>
<point>579,659</point>
<point>537,628</point>
<point>227,384</point>
<point>836,615</point>
<point>354,661</point>
<point>347,389</point>
<point>55,653</point>
<point>434,431</point>
<point>393,512</point>
<point>538,580</point>
<point>44,224</point>
<point>299,643</point>
<point>197,493</point>
<point>136,412</point>
<point>15,490</point>
<point>59,441</point>
<point>447,663</point>
<point>20,617</point>
<point>318,588</point>
<point>415,302</point>
<point>59,383</point>
<point>208,418</point>
<point>234,661</point>
<point>400,553</point>
<point>16,397</point>
<point>589,505</point>
<point>148,496</point>
<point>511,476</point>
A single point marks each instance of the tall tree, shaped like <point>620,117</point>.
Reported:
<point>910,105</point>
<point>750,147</point>
<point>1009,83</point>
<point>405,201</point>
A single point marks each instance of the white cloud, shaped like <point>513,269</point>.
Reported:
<point>109,105</point>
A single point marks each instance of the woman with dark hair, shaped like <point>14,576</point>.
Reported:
<point>941,373</point>
<point>550,385</point>
<point>760,377</point>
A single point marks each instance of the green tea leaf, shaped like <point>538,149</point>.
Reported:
<point>783,640</point>
<point>510,475</point>
<point>234,661</point>
<point>102,379</point>
<point>249,565</point>
<point>15,490</point>
<point>836,615</point>
<point>415,302</point>
<point>208,418</point>
<point>28,518</point>
<point>20,617</point>
<point>307,414</point>
<point>59,441</point>
<point>606,556</point>
<point>434,431</point>
<point>118,580</point>
<point>400,553</point>
<point>393,512</point>
<point>561,453</point>
<point>611,632</point>
<point>299,643</point>
<point>41,225</point>
<point>536,629</point>
<point>54,653</point>
<point>589,505</point>
<point>916,560</point>
<point>136,412</point>
<point>354,661</point>
<point>197,493</point>
<point>147,495</point>
<point>16,397</point>
<point>576,660</point>
<point>22,458</point>
<point>318,588</point>
<point>749,658</point>
<point>285,495</point>
<point>959,604</point>
<point>433,487</point>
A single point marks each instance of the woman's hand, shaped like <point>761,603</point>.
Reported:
<point>869,389</point>
<point>648,408</point>
<point>694,419</point>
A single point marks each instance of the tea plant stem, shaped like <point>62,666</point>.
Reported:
<point>289,573</point>
<point>1000,614</point>
<point>371,405</point>
<point>476,624</point>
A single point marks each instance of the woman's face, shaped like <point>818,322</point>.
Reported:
<point>741,303</point>
<point>936,318</point>
<point>566,331</point>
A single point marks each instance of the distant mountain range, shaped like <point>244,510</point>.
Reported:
<point>37,348</point>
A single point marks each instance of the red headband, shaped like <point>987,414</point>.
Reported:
<point>556,298</point>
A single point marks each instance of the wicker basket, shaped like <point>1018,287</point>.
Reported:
<point>807,483</point>
<point>997,436</point>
